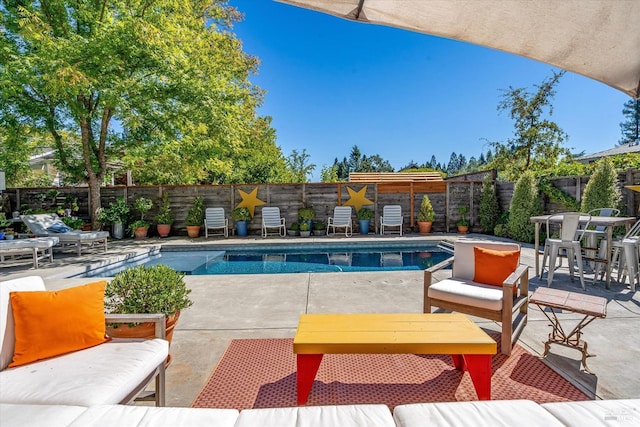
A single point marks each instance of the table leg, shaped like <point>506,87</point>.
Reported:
<point>608,255</point>
<point>307,368</point>
<point>537,248</point>
<point>479,367</point>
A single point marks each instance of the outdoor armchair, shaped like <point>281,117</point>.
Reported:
<point>486,281</point>
<point>391,217</point>
<point>271,219</point>
<point>215,219</point>
<point>341,219</point>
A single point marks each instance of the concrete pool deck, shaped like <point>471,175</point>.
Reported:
<point>268,306</point>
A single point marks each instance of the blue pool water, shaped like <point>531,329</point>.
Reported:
<point>292,260</point>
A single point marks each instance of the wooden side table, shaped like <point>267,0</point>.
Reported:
<point>592,307</point>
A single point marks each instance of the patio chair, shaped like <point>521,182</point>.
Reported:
<point>571,235</point>
<point>594,236</point>
<point>341,219</point>
<point>487,281</point>
<point>391,217</point>
<point>215,219</point>
<point>271,219</point>
<point>50,225</point>
<point>38,248</point>
<point>626,256</point>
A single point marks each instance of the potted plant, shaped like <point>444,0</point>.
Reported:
<point>463,223</point>
<point>140,227</point>
<point>305,231</point>
<point>165,217</point>
<point>241,217</point>
<point>195,217</point>
<point>319,228</point>
<point>146,289</point>
<point>307,215</point>
<point>294,229</point>
<point>4,227</point>
<point>116,214</point>
<point>426,215</point>
<point>364,217</point>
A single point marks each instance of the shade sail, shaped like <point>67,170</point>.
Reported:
<point>599,39</point>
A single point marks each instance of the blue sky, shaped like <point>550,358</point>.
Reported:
<point>331,84</point>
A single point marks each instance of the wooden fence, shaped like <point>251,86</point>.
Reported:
<point>446,197</point>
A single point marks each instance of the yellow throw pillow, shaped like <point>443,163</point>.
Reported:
<point>49,324</point>
<point>492,267</point>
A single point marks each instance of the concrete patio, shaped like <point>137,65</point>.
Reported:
<point>254,306</point>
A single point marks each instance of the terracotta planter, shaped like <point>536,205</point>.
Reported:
<point>463,229</point>
<point>140,232</point>
<point>165,229</point>
<point>193,231</point>
<point>145,330</point>
<point>424,227</point>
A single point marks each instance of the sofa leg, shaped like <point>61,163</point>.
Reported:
<point>160,386</point>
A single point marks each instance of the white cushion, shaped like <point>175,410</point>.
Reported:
<point>310,416</point>
<point>618,413</point>
<point>7,326</point>
<point>142,416</point>
<point>73,236</point>
<point>12,415</point>
<point>463,266</point>
<point>104,374</point>
<point>489,413</point>
<point>467,292</point>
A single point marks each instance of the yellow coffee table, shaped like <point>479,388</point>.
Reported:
<point>413,333</point>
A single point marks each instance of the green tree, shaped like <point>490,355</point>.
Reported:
<point>630,128</point>
<point>602,189</point>
<point>489,208</point>
<point>299,167</point>
<point>167,73</point>
<point>525,203</point>
<point>537,141</point>
<point>329,174</point>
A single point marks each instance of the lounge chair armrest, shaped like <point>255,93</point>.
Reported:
<point>439,266</point>
<point>157,318</point>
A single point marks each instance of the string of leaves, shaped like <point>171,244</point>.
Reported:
<point>558,196</point>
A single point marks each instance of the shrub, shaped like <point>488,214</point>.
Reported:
<point>142,289</point>
<point>117,212</point>
<point>364,213</point>
<point>463,221</point>
<point>195,216</point>
<point>165,216</point>
<point>241,214</point>
<point>489,209</point>
<point>306,214</point>
<point>602,189</point>
<point>426,212</point>
<point>524,204</point>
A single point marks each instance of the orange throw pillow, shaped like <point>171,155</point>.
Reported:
<point>492,267</point>
<point>49,324</point>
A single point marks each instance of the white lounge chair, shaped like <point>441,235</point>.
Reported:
<point>215,219</point>
<point>271,219</point>
<point>391,217</point>
<point>341,219</point>
<point>50,225</point>
<point>39,248</point>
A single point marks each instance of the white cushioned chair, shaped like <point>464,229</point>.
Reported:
<point>506,304</point>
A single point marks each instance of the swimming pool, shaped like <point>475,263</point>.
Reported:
<point>290,259</point>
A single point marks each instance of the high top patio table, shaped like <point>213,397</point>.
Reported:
<point>415,333</point>
<point>606,221</point>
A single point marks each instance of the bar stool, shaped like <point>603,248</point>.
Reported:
<point>570,240</point>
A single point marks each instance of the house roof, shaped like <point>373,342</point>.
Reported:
<point>621,149</point>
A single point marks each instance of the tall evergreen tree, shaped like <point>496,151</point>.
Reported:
<point>630,128</point>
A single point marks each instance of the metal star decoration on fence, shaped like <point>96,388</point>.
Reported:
<point>357,199</point>
<point>250,201</point>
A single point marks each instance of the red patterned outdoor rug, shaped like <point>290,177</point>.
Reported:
<point>261,373</point>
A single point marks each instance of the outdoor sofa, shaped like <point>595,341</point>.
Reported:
<point>621,413</point>
<point>38,368</point>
